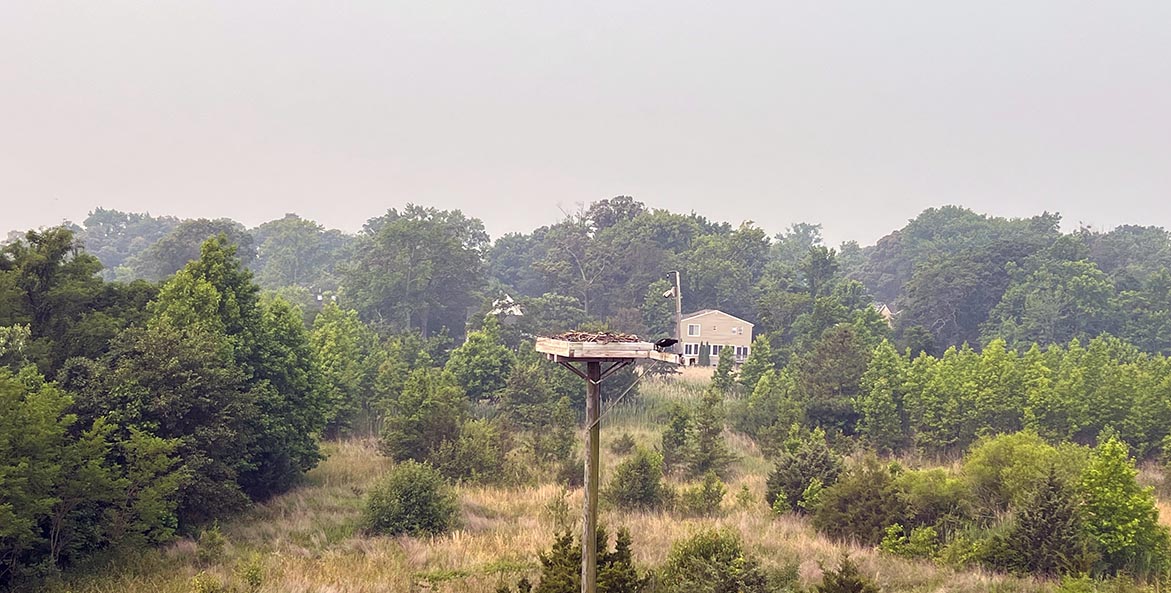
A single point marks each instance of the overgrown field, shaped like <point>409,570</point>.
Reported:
<point>308,539</point>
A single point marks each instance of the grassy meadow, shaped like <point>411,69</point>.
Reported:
<point>307,541</point>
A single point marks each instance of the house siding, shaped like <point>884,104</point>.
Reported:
<point>719,330</point>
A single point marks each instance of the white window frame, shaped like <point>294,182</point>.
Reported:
<point>697,328</point>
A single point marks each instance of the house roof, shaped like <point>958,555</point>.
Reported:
<point>703,312</point>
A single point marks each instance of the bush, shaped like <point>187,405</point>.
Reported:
<point>1004,470</point>
<point>797,469</point>
<point>210,548</point>
<point>704,499</point>
<point>861,505</point>
<point>1046,537</point>
<point>412,499</point>
<point>934,497</point>
<point>638,482</point>
<point>923,542</point>
<point>712,561</point>
<point>846,579</point>
<point>622,445</point>
<point>571,471</point>
<point>561,567</point>
<point>677,440</point>
<point>476,455</point>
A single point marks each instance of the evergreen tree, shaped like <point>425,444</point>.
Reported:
<point>846,579</point>
<point>677,439</point>
<point>1047,536</point>
<point>722,380</point>
<point>709,451</point>
<point>758,363</point>
<point>811,460</point>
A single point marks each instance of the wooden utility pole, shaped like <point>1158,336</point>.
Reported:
<point>589,532</point>
<point>678,313</point>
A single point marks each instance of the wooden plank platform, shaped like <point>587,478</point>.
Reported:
<point>564,351</point>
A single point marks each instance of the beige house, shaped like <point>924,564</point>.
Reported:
<point>717,330</point>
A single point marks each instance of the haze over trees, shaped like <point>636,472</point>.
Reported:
<point>158,374</point>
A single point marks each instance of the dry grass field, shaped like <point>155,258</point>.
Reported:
<point>306,541</point>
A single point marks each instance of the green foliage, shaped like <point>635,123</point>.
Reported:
<point>880,401</point>
<point>709,452</point>
<point>534,413</point>
<point>623,444</point>
<point>677,439</point>
<point>770,411</point>
<point>758,363</point>
<point>481,365</point>
<point>476,455</point>
<point>722,380</point>
<point>417,269</point>
<point>429,411</point>
<point>1046,537</point>
<point>1120,516</point>
<point>349,355</point>
<point>1004,471</point>
<point>638,482</point>
<point>861,504</point>
<point>935,498</point>
<point>829,378</point>
<point>704,499</point>
<point>796,470</point>
<point>411,499</point>
<point>561,567</point>
<point>712,561</point>
<point>210,549</point>
<point>923,542</point>
<point>846,579</point>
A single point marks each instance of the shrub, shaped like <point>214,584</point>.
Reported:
<point>206,583</point>
<point>1004,470</point>
<point>638,482</point>
<point>712,561</point>
<point>677,440</point>
<point>1120,515</point>
<point>210,548</point>
<point>709,452</point>
<point>476,455</point>
<point>795,471</point>
<point>561,567</point>
<point>251,573</point>
<point>1046,536</point>
<point>923,542</point>
<point>622,445</point>
<point>704,499</point>
<point>860,505</point>
<point>934,497</point>
<point>846,579</point>
<point>412,499</point>
<point>571,471</point>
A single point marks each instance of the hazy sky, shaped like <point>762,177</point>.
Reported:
<point>854,114</point>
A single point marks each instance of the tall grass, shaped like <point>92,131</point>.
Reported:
<point>307,541</point>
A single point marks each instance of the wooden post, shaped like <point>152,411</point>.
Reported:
<point>589,531</point>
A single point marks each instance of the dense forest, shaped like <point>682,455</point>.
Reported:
<point>158,375</point>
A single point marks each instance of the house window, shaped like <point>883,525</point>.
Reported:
<point>742,352</point>
<point>737,331</point>
<point>693,329</point>
<point>716,350</point>
<point>691,349</point>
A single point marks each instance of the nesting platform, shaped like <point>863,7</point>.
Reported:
<point>566,351</point>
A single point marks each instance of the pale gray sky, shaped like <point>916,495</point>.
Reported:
<point>854,114</point>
